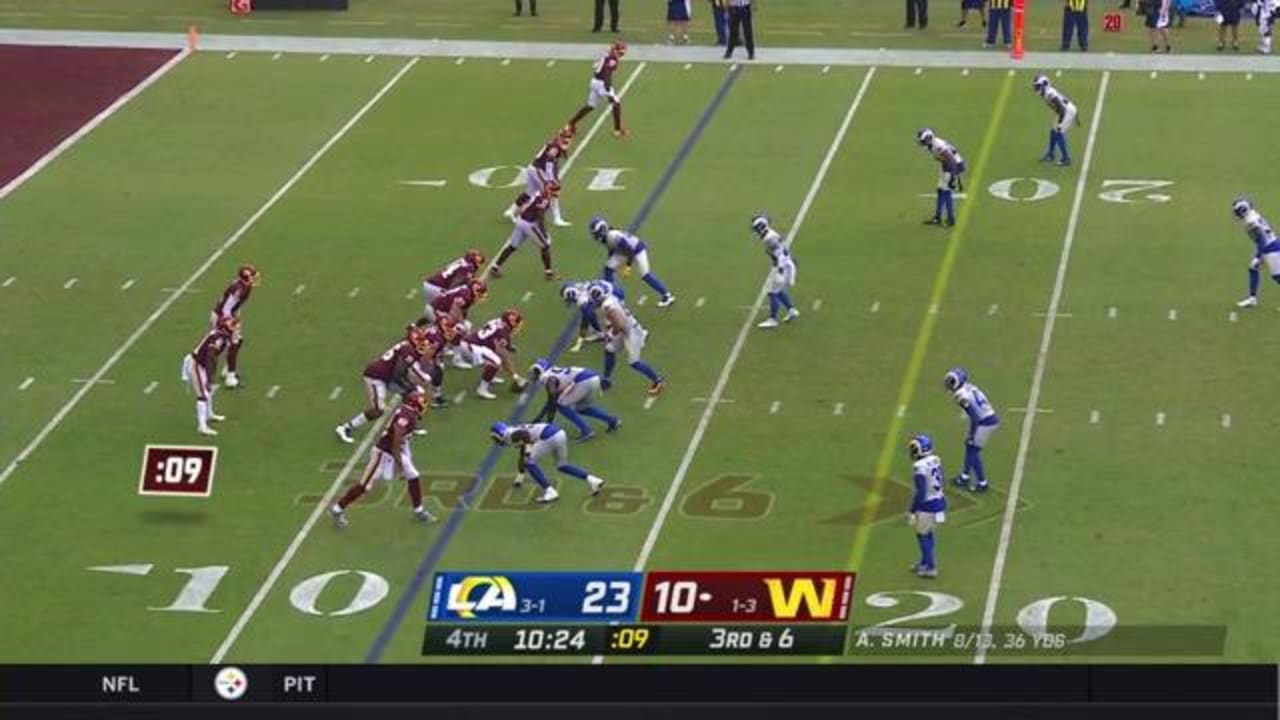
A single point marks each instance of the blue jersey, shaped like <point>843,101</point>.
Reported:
<point>567,375</point>
<point>929,482</point>
<point>537,431</point>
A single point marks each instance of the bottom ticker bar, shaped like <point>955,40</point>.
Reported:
<point>476,639</point>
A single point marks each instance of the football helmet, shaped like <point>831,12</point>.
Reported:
<point>479,289</point>
<point>513,319</point>
<point>924,136</point>
<point>448,327</point>
<point>569,292</point>
<point>417,337</point>
<point>249,275</point>
<point>1241,207</point>
<point>499,432</point>
<point>538,367</point>
<point>760,224</point>
<point>475,257</point>
<point>618,49</point>
<point>598,292</point>
<point>1040,84</point>
<point>416,399</point>
<point>920,446</point>
<point>599,228</point>
<point>955,379</point>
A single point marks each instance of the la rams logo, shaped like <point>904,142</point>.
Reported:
<point>481,593</point>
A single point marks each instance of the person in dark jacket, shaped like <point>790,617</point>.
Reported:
<point>917,11</point>
<point>1228,17</point>
<point>533,8</point>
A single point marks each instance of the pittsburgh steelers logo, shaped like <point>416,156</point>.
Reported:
<point>231,683</point>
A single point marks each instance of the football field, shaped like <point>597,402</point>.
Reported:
<point>1094,303</point>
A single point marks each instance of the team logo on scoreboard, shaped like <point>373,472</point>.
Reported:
<point>481,594</point>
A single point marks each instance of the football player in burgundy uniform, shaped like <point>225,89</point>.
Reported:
<point>385,370</point>
<point>229,304</point>
<point>544,168</point>
<point>531,225</point>
<point>391,454</point>
<point>456,274</point>
<point>443,335</point>
<point>201,364</point>
<point>602,89</point>
<point>456,302</point>
<point>490,345</point>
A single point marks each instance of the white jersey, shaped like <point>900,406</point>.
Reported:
<point>975,404</point>
<point>929,481</point>
<point>946,154</point>
<point>776,248</point>
<point>1260,232</point>
<point>621,242</point>
<point>612,304</point>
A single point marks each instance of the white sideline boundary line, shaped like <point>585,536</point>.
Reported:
<point>93,123</point>
<point>1037,377</point>
<point>721,382</point>
<point>199,272</point>
<point>294,545</point>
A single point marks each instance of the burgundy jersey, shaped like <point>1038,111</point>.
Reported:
<point>547,161</point>
<point>533,210</point>
<point>213,344</point>
<point>235,296</point>
<point>438,341</point>
<point>406,418</point>
<point>458,272</point>
<point>444,303</point>
<point>383,367</point>
<point>494,334</point>
<point>604,69</point>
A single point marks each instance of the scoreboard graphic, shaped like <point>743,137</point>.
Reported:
<point>658,613</point>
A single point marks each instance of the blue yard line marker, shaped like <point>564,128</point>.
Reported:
<point>459,510</point>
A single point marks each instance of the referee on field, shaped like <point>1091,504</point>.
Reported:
<point>740,29</point>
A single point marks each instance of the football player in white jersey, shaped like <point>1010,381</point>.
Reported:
<point>577,295</point>
<point>625,250</point>
<point>623,332</point>
<point>928,502</point>
<point>1065,113</point>
<point>1266,248</point>
<point>983,422</point>
<point>951,178</point>
<point>572,391</point>
<point>783,276</point>
<point>535,441</point>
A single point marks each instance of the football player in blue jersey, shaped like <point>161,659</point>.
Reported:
<point>928,502</point>
<point>1066,113</point>
<point>783,276</point>
<point>575,296</point>
<point>572,391</point>
<point>1266,248</point>
<point>623,332</point>
<point>983,421</point>
<point>535,441</point>
<point>951,178</point>
<point>625,250</point>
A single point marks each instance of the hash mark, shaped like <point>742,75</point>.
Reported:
<point>26,383</point>
<point>1200,76</point>
<point>276,56</point>
<point>299,290</point>
<point>779,68</point>
<point>70,283</point>
<point>688,66</point>
<point>700,302</point>
<point>648,402</point>
<point>817,304</point>
<point>150,388</point>
<point>368,58</point>
<point>919,71</point>
<point>324,58</point>
<point>231,55</point>
<point>1159,419</point>
<point>642,299</point>
<point>506,61</point>
<point>933,309</point>
<point>965,72</point>
<point>1232,316</point>
<point>10,280</point>
<point>127,284</point>
<point>774,407</point>
<point>354,292</point>
<point>1112,312</point>
<point>272,392</point>
<point>551,63</point>
<point>838,409</point>
<point>902,411</point>
<point>875,306</point>
<point>1094,417</point>
<point>462,395</point>
<point>1058,73</point>
<point>1154,74</point>
<point>1248,76</point>
<point>411,294</point>
<point>333,395</point>
<point>528,295</point>
<point>1226,421</point>
<point>826,69</point>
<point>993,310</point>
<point>1173,314</point>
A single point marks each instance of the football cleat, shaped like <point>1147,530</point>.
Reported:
<point>459,363</point>
<point>421,515</point>
<point>518,480</point>
<point>961,480</point>
<point>595,483</point>
<point>213,417</point>
<point>485,393</point>
<point>667,300</point>
<point>792,314</point>
<point>1241,207</point>
<point>439,402</point>
<point>339,516</point>
<point>955,379</point>
<point>927,572</point>
<point>548,495</point>
<point>1040,84</point>
<point>621,132</point>
<point>249,275</point>
<point>561,222</point>
<point>206,430</point>
<point>231,380</point>
<point>767,323</point>
<point>935,220</point>
<point>924,136</point>
<point>982,487</point>
<point>599,228</point>
<point>615,426</point>
<point>1248,302</point>
<point>510,213</point>
<point>586,437</point>
<point>549,275</point>
<point>344,434</point>
<point>920,446</point>
<point>657,387</point>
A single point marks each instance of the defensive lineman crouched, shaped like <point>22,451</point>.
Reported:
<point>602,89</point>
<point>625,250</point>
<point>783,276</point>
<point>231,301</point>
<point>928,504</point>
<point>535,441</point>
<point>200,365</point>
<point>572,391</point>
<point>1065,111</point>
<point>624,332</point>
<point>384,371</point>
<point>577,295</point>
<point>390,454</point>
<point>983,421</point>
<point>950,179</point>
<point>1266,248</point>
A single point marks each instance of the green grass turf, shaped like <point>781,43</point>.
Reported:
<point>1162,524</point>
<point>780,23</point>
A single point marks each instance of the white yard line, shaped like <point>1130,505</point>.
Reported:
<point>1037,377</point>
<point>200,271</point>
<point>721,382</point>
<point>26,383</point>
<point>287,557</point>
<point>150,388</point>
<point>88,127</point>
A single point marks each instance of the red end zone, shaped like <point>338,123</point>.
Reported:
<point>47,93</point>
